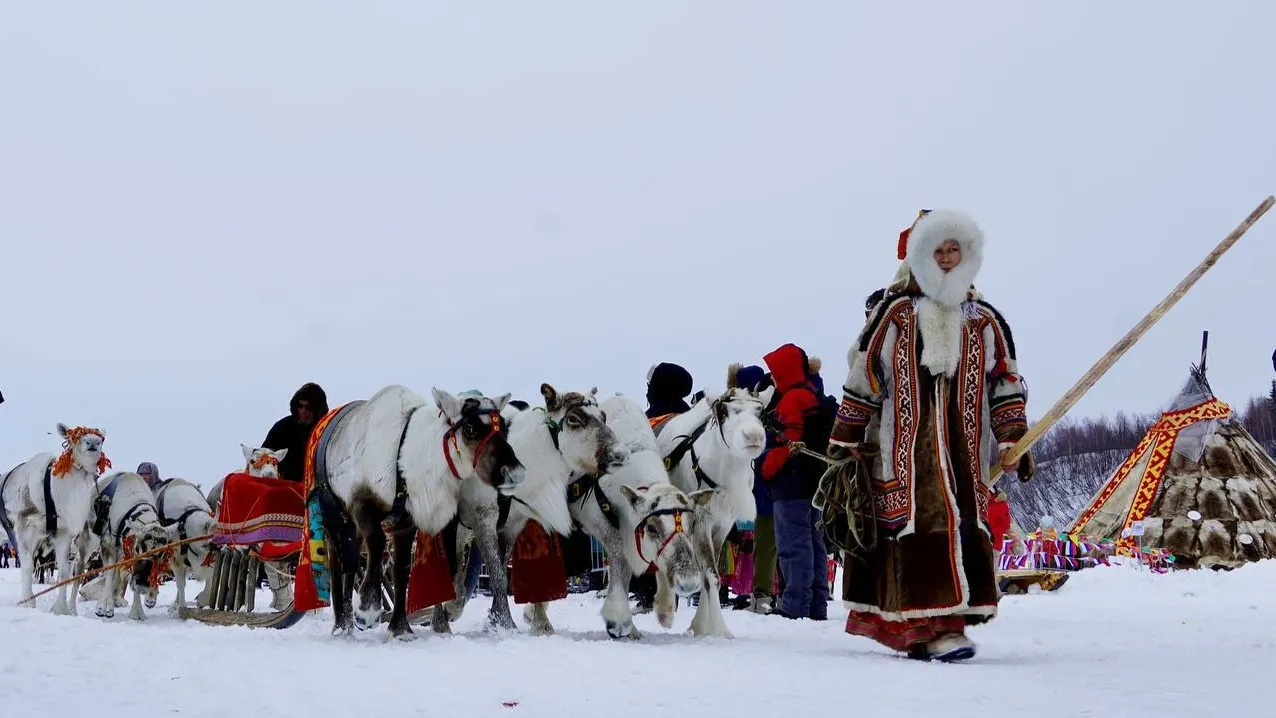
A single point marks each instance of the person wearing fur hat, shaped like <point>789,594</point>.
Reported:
<point>668,386</point>
<point>933,388</point>
<point>308,405</point>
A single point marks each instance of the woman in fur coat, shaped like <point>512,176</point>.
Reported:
<point>933,383</point>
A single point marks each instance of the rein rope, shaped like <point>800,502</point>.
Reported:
<point>118,564</point>
<point>688,443</point>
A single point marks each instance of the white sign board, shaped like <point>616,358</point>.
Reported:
<point>1136,528</point>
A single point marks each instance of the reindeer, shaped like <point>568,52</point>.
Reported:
<point>184,508</point>
<point>394,457</point>
<point>49,499</point>
<point>712,448</point>
<point>642,521</point>
<point>568,437</point>
<point>126,523</point>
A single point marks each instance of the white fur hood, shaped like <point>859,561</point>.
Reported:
<point>931,230</point>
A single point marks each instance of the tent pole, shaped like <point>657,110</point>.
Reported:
<point>1101,367</point>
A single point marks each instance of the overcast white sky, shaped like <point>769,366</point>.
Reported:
<point>203,207</point>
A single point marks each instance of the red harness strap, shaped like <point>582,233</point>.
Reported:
<point>478,451</point>
<point>677,529</point>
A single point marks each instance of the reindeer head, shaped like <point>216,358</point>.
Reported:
<point>662,531</point>
<point>580,430</point>
<point>738,415</point>
<point>479,436</point>
<point>263,463</point>
<point>81,446</point>
<point>148,537</point>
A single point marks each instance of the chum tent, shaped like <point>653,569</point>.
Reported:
<point>1198,485</point>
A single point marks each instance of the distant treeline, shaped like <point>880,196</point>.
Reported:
<point>1073,436</point>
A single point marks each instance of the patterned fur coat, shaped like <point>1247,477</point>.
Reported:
<point>933,385</point>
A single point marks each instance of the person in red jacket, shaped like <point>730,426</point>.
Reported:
<point>999,519</point>
<point>792,478</point>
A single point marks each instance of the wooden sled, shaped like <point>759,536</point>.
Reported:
<point>1017,581</point>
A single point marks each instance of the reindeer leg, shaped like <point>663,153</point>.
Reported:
<point>135,611</point>
<point>62,553</point>
<point>399,626</point>
<point>665,606</point>
<point>708,620</point>
<point>27,568</point>
<point>77,568</point>
<point>342,618</point>
<point>280,587</point>
<point>178,609</point>
<point>537,615</point>
<point>368,613</point>
<point>106,599</point>
<point>498,616</point>
<point>617,614</point>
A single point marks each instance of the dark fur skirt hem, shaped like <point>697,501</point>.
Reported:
<point>903,635</point>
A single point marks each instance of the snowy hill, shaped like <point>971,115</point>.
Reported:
<point>1061,488</point>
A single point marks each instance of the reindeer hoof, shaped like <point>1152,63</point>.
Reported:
<point>104,612</point>
<point>623,630</point>
<point>665,619</point>
<point>403,633</point>
<point>150,603</point>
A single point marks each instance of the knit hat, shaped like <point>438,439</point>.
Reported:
<point>148,471</point>
<point>750,376</point>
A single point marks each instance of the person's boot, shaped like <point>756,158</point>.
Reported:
<point>951,647</point>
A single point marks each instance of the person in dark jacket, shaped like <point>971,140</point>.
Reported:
<point>668,386</point>
<point>792,479</point>
<point>307,407</point>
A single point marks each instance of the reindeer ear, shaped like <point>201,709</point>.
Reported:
<point>62,430</point>
<point>502,401</point>
<point>280,454</point>
<point>633,497</point>
<point>447,403</point>
<point>766,395</point>
<point>701,497</point>
<point>552,401</point>
<point>248,453</point>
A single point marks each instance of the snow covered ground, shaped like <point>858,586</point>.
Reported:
<point>1112,642</point>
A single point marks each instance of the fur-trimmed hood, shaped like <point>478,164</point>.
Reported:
<point>924,237</point>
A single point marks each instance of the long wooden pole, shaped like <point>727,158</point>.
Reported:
<point>1086,382</point>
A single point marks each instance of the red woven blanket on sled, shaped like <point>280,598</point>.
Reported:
<point>254,510</point>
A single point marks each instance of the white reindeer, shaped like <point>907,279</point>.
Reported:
<point>568,437</point>
<point>713,447</point>
<point>70,480</point>
<point>182,506</point>
<point>260,463</point>
<point>653,525</point>
<point>126,524</point>
<point>394,439</point>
